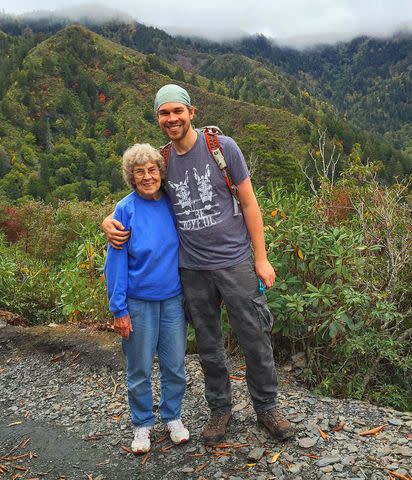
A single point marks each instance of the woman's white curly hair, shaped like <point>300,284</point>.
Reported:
<point>140,154</point>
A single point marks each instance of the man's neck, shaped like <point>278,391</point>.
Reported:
<point>185,144</point>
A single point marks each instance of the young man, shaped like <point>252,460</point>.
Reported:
<point>215,264</point>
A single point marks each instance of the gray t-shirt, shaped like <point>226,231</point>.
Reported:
<point>211,237</point>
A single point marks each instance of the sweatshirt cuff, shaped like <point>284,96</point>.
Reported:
<point>121,313</point>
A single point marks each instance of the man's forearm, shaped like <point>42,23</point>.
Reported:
<point>253,218</point>
<point>254,224</point>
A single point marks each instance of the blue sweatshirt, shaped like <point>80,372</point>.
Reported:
<point>147,266</point>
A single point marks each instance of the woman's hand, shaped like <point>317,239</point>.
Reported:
<point>115,232</point>
<point>123,326</point>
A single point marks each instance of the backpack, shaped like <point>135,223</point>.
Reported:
<point>211,133</point>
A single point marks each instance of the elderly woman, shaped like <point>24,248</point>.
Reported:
<point>146,297</point>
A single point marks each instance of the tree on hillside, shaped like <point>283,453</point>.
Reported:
<point>12,184</point>
<point>4,162</point>
<point>275,163</point>
<point>179,74</point>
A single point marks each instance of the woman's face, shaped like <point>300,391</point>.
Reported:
<point>147,179</point>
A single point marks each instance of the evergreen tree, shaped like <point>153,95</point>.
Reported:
<point>4,162</point>
<point>179,74</point>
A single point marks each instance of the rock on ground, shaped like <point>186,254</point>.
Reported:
<point>64,414</point>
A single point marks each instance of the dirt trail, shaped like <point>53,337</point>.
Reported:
<point>64,416</point>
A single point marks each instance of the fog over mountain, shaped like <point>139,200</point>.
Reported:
<point>297,23</point>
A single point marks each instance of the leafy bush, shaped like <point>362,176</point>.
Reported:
<point>44,231</point>
<point>63,248</point>
<point>28,286</point>
<point>81,281</point>
<point>342,293</point>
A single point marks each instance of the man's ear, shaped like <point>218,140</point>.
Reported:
<point>192,111</point>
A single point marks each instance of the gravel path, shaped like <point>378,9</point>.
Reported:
<point>64,415</point>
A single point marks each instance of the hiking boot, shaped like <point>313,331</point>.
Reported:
<point>276,424</point>
<point>215,430</point>
<point>141,441</point>
<point>178,433</point>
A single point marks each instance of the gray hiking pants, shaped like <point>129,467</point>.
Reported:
<point>251,322</point>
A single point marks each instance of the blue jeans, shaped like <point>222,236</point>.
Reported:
<point>157,326</point>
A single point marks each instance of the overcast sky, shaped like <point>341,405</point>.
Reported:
<point>292,22</point>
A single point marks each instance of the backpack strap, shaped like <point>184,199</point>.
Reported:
<point>212,141</point>
<point>165,152</point>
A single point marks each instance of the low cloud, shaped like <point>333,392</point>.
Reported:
<point>297,23</point>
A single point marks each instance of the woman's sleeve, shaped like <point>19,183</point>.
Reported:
<point>116,273</point>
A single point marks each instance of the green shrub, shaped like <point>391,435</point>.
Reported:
<point>81,281</point>
<point>342,293</point>
<point>28,286</point>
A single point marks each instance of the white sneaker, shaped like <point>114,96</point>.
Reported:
<point>178,432</point>
<point>141,441</point>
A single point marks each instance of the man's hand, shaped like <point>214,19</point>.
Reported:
<point>123,326</point>
<point>115,232</point>
<point>265,272</point>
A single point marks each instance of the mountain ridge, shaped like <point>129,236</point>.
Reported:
<point>79,100</point>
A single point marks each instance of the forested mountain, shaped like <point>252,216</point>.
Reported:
<point>368,79</point>
<point>71,101</point>
<point>77,101</point>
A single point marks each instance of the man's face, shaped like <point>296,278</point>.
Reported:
<point>175,119</point>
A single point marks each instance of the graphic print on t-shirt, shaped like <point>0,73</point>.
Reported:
<point>200,212</point>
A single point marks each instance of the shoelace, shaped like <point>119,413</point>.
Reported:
<point>175,425</point>
<point>142,433</point>
<point>217,421</point>
<point>275,414</point>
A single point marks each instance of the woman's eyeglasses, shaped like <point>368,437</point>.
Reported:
<point>141,172</point>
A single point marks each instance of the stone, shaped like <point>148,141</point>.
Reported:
<point>307,442</point>
<point>404,451</point>
<point>296,468</point>
<point>239,406</point>
<point>289,458</point>
<point>323,462</point>
<point>395,421</point>
<point>187,470</point>
<point>349,460</point>
<point>277,472</point>
<point>297,418</point>
<point>256,454</point>
<point>299,360</point>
